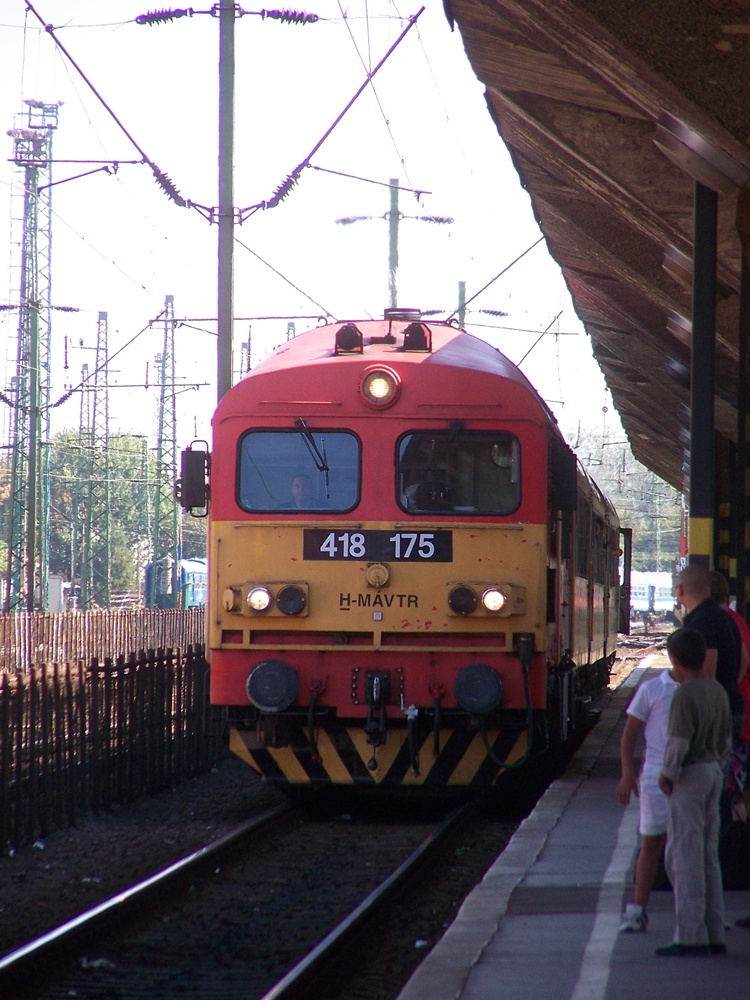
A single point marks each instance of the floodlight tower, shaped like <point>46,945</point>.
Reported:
<point>167,528</point>
<point>95,576</point>
<point>27,577</point>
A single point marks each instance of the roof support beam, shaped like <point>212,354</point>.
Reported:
<point>702,446</point>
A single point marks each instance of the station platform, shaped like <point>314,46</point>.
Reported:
<point>544,922</point>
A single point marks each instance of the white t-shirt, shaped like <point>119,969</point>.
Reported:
<point>651,704</point>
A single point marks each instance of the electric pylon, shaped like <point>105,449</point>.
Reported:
<point>26,575</point>
<point>95,576</point>
<point>167,534</point>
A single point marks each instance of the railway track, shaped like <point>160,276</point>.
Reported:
<point>257,912</point>
<point>29,963</point>
<point>231,920</point>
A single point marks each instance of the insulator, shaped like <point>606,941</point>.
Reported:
<point>167,185</point>
<point>282,190</point>
<point>160,16</point>
<point>290,16</point>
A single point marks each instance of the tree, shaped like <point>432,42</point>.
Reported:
<point>644,502</point>
<point>130,513</point>
<point>194,537</point>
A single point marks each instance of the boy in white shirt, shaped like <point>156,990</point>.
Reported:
<point>648,713</point>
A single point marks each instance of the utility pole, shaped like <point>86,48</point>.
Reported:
<point>227,13</point>
<point>393,220</point>
<point>393,217</point>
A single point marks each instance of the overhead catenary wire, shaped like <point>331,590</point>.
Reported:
<point>499,275</point>
<point>365,64</point>
<point>162,179</point>
<point>66,396</point>
<point>418,192</point>
<point>290,181</point>
<point>542,334</point>
<point>283,277</point>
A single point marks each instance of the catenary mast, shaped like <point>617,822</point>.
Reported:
<point>27,578</point>
<point>95,568</point>
<point>167,526</point>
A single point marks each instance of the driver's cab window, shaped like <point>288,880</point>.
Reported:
<point>299,470</point>
<point>465,472</point>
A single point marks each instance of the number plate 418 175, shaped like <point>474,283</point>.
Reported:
<point>379,546</point>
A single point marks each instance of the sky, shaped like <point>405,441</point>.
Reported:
<point>121,246</point>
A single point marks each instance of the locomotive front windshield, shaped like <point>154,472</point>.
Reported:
<point>467,472</point>
<point>299,470</point>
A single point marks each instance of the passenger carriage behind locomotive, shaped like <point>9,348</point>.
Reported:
<point>444,603</point>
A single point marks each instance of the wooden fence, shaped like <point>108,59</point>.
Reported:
<point>33,637</point>
<point>76,738</point>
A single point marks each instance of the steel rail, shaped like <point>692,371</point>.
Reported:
<point>39,952</point>
<point>298,979</point>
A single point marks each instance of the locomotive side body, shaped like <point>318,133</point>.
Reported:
<point>410,582</point>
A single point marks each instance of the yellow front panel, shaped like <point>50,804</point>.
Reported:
<point>414,599</point>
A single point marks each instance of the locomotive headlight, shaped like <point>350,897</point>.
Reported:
<point>259,599</point>
<point>380,386</point>
<point>291,600</point>
<point>494,600</point>
<point>462,600</point>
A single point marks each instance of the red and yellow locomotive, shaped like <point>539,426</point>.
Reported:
<point>411,582</point>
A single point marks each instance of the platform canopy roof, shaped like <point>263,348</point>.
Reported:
<point>612,110</point>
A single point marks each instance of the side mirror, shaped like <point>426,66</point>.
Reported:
<point>563,477</point>
<point>192,489</point>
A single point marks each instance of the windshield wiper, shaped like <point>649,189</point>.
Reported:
<point>320,459</point>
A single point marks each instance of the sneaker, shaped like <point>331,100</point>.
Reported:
<point>681,950</point>
<point>634,919</point>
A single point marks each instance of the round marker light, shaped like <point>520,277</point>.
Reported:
<point>493,600</point>
<point>462,600</point>
<point>259,599</point>
<point>380,387</point>
<point>291,600</point>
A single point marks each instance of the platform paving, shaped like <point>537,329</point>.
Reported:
<point>543,923</point>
